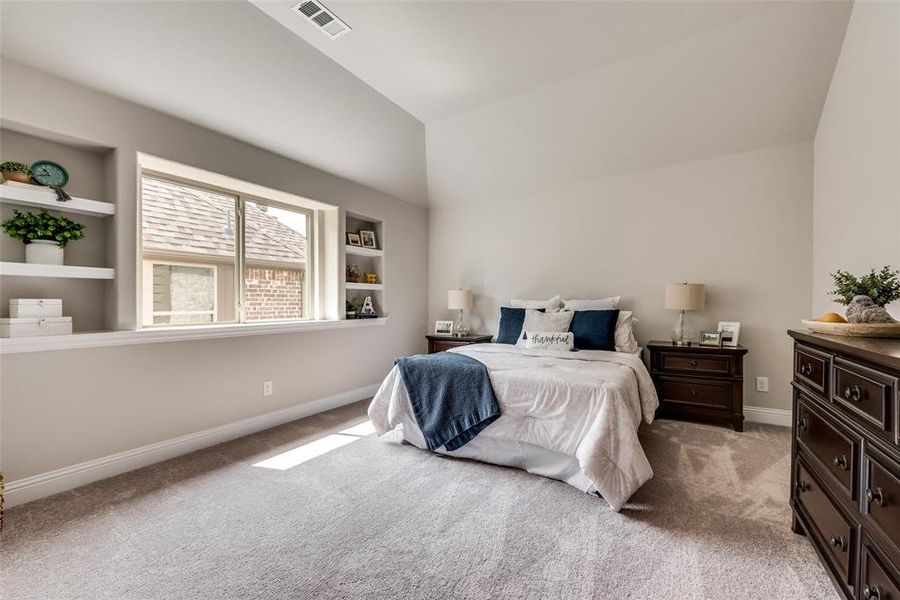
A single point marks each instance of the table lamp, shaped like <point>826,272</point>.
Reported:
<point>460,300</point>
<point>684,296</point>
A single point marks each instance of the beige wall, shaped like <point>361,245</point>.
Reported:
<point>739,223</point>
<point>856,212</point>
<point>62,408</point>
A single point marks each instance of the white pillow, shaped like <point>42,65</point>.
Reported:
<point>625,340</point>
<point>536,320</point>
<point>550,340</point>
<point>599,304</point>
<point>554,304</point>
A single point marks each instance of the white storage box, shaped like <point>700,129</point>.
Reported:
<point>22,327</point>
<point>35,307</point>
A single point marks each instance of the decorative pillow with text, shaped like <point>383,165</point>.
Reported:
<point>550,340</point>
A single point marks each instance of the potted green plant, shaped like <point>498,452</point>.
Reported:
<point>883,286</point>
<point>44,235</point>
<point>351,309</point>
<point>16,171</point>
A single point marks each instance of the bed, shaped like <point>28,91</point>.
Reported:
<point>571,416</point>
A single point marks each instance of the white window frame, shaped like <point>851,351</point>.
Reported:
<point>191,177</point>
<point>152,313</point>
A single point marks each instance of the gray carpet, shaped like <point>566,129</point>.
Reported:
<point>375,520</point>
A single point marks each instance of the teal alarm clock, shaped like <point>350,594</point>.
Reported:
<point>53,175</point>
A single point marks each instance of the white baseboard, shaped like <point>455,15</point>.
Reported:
<point>770,416</point>
<point>67,478</point>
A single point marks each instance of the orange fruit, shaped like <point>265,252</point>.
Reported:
<point>832,318</point>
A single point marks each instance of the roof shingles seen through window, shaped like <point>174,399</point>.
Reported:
<point>178,218</point>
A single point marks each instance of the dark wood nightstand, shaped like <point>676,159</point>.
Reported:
<point>699,382</point>
<point>439,343</point>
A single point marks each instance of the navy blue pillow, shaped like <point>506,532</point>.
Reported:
<point>511,321</point>
<point>595,329</point>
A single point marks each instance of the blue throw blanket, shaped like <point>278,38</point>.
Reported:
<point>451,396</point>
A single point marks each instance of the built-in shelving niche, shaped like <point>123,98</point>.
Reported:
<point>369,260</point>
<point>88,273</point>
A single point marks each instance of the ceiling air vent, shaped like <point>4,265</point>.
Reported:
<point>323,18</point>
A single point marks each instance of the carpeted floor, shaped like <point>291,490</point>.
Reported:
<point>376,520</point>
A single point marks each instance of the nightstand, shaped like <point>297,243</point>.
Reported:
<point>439,343</point>
<point>699,382</point>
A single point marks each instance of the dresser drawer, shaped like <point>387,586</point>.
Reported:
<point>829,444</point>
<point>865,393</point>
<point>695,363</point>
<point>698,392</point>
<point>833,530</point>
<point>879,580</point>
<point>811,368</point>
<point>882,494</point>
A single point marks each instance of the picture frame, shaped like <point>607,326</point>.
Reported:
<point>443,328</point>
<point>730,332</point>
<point>711,338</point>
<point>368,239</point>
<point>353,239</point>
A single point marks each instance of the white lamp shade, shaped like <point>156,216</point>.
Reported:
<point>685,296</point>
<point>459,299</point>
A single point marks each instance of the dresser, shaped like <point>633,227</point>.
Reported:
<point>440,343</point>
<point>845,451</point>
<point>704,383</point>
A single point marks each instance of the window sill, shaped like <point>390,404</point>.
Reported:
<point>172,334</point>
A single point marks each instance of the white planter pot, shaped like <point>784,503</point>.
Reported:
<point>44,252</point>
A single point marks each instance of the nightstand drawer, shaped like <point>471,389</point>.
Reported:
<point>695,392</point>
<point>444,346</point>
<point>695,363</point>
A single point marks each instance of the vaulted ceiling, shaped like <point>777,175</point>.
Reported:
<point>355,105</point>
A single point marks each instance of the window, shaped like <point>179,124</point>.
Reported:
<point>212,255</point>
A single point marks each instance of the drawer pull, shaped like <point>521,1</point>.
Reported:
<point>872,592</point>
<point>806,369</point>
<point>802,423</point>
<point>853,392</point>
<point>802,486</point>
<point>876,496</point>
<point>841,462</point>
<point>693,392</point>
<point>838,542</point>
<point>693,363</point>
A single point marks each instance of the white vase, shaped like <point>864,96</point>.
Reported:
<point>43,251</point>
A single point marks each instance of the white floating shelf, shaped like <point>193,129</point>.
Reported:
<point>66,271</point>
<point>32,195</point>
<point>360,251</point>
<point>365,286</point>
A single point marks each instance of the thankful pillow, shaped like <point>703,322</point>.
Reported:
<point>536,320</point>
<point>550,340</point>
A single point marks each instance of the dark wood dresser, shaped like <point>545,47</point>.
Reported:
<point>845,469</point>
<point>705,383</point>
<point>440,343</point>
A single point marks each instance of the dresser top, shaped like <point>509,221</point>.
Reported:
<point>881,351</point>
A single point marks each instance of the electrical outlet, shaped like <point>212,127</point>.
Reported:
<point>762,384</point>
<point>267,388</point>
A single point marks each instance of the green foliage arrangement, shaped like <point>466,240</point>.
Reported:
<point>42,226</point>
<point>882,286</point>
<point>15,167</point>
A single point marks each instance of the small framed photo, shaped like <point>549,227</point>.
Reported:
<point>368,239</point>
<point>710,338</point>
<point>353,239</point>
<point>730,331</point>
<point>443,328</point>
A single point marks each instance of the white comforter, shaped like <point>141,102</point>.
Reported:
<point>585,404</point>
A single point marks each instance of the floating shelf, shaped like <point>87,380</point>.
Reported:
<point>360,251</point>
<point>32,195</point>
<point>64,271</point>
<point>365,286</point>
